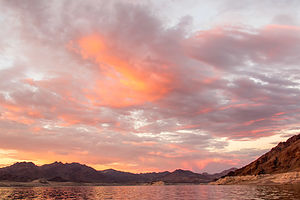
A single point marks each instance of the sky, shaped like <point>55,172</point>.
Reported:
<point>148,85</point>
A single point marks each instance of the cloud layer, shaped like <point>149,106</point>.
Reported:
<point>112,85</point>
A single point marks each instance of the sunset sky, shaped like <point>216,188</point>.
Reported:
<point>149,85</point>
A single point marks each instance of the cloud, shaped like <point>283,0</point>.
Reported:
<point>227,48</point>
<point>111,85</point>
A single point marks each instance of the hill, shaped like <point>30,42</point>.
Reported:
<point>285,157</point>
<point>281,165</point>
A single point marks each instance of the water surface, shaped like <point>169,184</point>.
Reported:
<point>186,192</point>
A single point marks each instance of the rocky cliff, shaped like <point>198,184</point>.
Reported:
<point>285,157</point>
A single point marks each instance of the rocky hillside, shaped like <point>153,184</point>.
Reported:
<point>285,157</point>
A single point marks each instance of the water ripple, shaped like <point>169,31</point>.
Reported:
<point>182,192</point>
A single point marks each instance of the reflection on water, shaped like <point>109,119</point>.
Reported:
<point>185,192</point>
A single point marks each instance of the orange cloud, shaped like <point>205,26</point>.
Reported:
<point>127,81</point>
<point>19,114</point>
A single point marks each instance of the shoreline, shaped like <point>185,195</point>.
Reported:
<point>263,179</point>
<point>288,178</point>
<point>71,184</point>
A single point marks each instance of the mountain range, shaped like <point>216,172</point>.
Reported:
<point>79,173</point>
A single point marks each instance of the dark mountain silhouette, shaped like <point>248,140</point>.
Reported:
<point>285,157</point>
<point>75,172</point>
<point>123,177</point>
<point>185,176</point>
<point>23,172</point>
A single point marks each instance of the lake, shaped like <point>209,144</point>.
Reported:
<point>186,192</point>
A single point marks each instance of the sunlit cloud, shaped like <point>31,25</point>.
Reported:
<point>123,80</point>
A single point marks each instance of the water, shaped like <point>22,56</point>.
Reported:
<point>182,192</point>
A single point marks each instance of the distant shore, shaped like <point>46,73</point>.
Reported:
<point>37,183</point>
<point>263,179</point>
<point>48,184</point>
